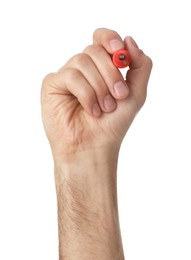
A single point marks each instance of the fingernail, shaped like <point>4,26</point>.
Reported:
<point>109,103</point>
<point>96,110</point>
<point>121,89</point>
<point>133,42</point>
<point>116,45</point>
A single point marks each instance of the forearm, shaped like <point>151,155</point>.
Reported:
<point>87,209</point>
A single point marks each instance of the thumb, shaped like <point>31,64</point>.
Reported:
<point>138,75</point>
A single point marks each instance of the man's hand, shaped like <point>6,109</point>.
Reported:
<point>87,104</point>
<point>87,108</point>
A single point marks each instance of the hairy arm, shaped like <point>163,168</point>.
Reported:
<point>87,211</point>
<point>87,108</point>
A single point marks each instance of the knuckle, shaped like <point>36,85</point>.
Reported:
<point>87,49</point>
<point>95,33</point>
<point>74,74</point>
<point>93,48</point>
<point>104,32</point>
<point>46,82</point>
<point>80,57</point>
<point>148,62</point>
<point>114,34</point>
<point>48,78</point>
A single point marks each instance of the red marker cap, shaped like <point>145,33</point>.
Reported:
<point>121,58</point>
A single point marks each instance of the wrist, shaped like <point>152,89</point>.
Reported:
<point>89,162</point>
<point>93,171</point>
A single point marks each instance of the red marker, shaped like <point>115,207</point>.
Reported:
<point>121,58</point>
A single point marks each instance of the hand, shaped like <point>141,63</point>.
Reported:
<point>87,105</point>
<point>87,108</point>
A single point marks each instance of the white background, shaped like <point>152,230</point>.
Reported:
<point>37,37</point>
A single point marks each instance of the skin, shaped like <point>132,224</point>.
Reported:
<point>87,108</point>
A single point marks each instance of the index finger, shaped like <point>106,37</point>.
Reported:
<point>109,39</point>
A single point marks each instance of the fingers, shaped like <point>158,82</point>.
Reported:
<point>95,65</point>
<point>111,75</point>
<point>85,65</point>
<point>93,80</point>
<point>140,66</point>
<point>71,89</point>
